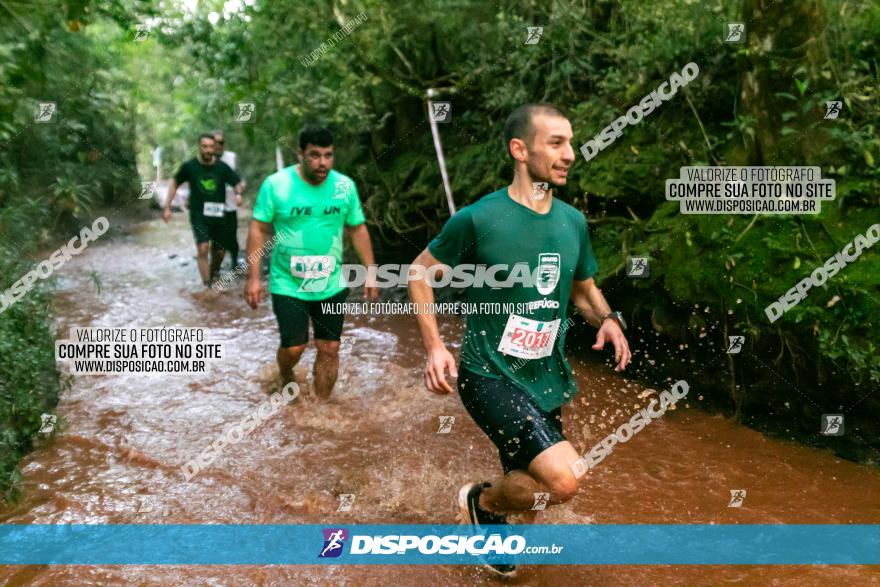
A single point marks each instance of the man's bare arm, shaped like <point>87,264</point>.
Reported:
<point>590,302</point>
<point>172,191</point>
<point>360,240</point>
<point>258,234</point>
<point>422,294</point>
<point>239,189</point>
<point>439,359</point>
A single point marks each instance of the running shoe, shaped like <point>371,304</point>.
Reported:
<point>473,514</point>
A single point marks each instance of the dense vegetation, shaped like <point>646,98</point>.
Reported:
<point>53,176</point>
<point>759,103</point>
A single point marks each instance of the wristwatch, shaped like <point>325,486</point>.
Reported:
<point>617,317</point>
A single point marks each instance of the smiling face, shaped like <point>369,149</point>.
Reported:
<point>548,153</point>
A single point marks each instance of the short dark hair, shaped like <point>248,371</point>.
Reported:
<point>205,135</point>
<point>519,123</point>
<point>315,135</point>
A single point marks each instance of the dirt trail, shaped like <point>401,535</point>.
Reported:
<point>125,437</point>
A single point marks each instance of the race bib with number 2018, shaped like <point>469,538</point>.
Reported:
<point>525,338</point>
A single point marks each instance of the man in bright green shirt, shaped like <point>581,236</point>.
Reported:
<point>308,206</point>
<point>514,377</point>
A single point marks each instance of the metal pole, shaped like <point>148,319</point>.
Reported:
<point>279,160</point>
<point>157,163</point>
<point>439,148</point>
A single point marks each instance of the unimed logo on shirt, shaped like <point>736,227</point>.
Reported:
<point>548,272</point>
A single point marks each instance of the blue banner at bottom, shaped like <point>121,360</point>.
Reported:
<point>395,544</point>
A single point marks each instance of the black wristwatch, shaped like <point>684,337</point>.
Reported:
<point>617,317</point>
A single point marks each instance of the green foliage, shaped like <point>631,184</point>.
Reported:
<point>29,383</point>
<point>52,177</point>
<point>595,60</point>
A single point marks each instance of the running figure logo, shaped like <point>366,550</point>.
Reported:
<point>534,35</point>
<point>246,111</point>
<point>737,496</point>
<point>341,189</point>
<point>446,423</point>
<point>148,188</point>
<point>47,423</point>
<point>141,33</point>
<point>334,540</point>
<point>832,109</point>
<point>735,344</point>
<point>637,267</point>
<point>45,112</point>
<point>346,500</point>
<point>144,507</point>
<point>832,425</point>
<point>441,111</point>
<point>541,501</point>
<point>346,343</point>
<point>735,32</point>
<point>313,271</point>
<point>548,272</point>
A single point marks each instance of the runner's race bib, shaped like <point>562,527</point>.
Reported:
<point>214,209</point>
<point>312,266</point>
<point>528,339</point>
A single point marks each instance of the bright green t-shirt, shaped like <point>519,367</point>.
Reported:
<point>496,230</point>
<point>308,221</point>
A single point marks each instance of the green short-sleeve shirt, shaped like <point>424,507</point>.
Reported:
<point>308,222</point>
<point>556,246</point>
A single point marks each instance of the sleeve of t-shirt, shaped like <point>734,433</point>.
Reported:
<point>232,177</point>
<point>457,241</point>
<point>586,264</point>
<point>181,177</point>
<point>264,209</point>
<point>355,214</point>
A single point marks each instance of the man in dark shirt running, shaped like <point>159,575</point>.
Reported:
<point>207,177</point>
<point>514,376</point>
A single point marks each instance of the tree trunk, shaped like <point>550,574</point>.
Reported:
<point>783,47</point>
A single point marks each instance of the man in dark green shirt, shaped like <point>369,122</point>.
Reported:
<point>207,177</point>
<point>514,376</point>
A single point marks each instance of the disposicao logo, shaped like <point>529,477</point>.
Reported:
<point>334,540</point>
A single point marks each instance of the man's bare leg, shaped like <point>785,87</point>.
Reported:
<point>326,367</point>
<point>549,472</point>
<point>288,357</point>
<point>202,251</point>
<point>216,259</point>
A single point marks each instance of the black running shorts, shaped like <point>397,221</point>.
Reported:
<point>210,229</point>
<point>510,417</point>
<point>230,235</point>
<point>293,319</point>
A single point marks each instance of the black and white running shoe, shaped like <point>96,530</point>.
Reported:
<point>473,514</point>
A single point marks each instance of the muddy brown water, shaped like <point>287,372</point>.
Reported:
<point>124,438</point>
